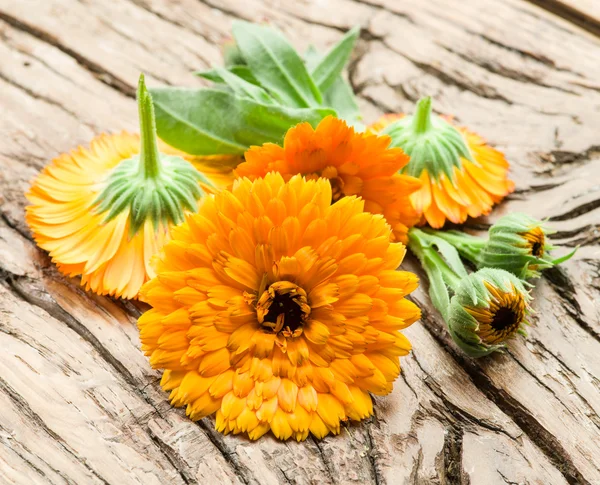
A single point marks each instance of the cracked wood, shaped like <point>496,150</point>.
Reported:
<point>80,403</point>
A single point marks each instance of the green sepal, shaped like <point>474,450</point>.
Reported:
<point>432,143</point>
<point>151,185</point>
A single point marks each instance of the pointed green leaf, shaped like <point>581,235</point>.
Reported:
<point>239,70</point>
<point>564,258</point>
<point>450,255</point>
<point>276,65</point>
<point>339,96</point>
<point>211,122</point>
<point>438,292</point>
<point>330,66</point>
<point>243,88</point>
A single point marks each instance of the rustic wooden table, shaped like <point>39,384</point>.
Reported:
<point>78,401</point>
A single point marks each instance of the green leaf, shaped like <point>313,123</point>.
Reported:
<point>239,70</point>
<point>311,57</point>
<point>450,255</point>
<point>564,258</point>
<point>243,88</point>
<point>438,292</point>
<point>211,121</point>
<point>339,96</point>
<point>276,65</point>
<point>330,66</point>
<point>231,54</point>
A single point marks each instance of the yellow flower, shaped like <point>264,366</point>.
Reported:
<point>102,212</point>
<point>278,311</point>
<point>354,163</point>
<point>461,175</point>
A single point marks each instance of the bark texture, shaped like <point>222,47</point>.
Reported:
<point>80,404</point>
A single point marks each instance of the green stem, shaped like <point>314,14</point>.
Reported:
<point>468,246</point>
<point>422,118</point>
<point>150,166</point>
<point>439,273</point>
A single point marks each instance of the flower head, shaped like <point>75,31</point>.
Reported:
<point>278,311</point>
<point>102,212</point>
<point>518,243</point>
<point>461,175</point>
<point>490,306</point>
<point>354,163</point>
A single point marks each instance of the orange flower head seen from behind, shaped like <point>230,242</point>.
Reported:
<point>354,163</point>
<point>278,311</point>
<point>102,212</point>
<point>461,175</point>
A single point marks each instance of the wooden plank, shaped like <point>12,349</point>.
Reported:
<point>585,13</point>
<point>520,75</point>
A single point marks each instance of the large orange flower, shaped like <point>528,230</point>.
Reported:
<point>355,164</point>
<point>461,175</point>
<point>277,310</point>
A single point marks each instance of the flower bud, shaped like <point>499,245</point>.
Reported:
<point>489,307</point>
<point>517,243</point>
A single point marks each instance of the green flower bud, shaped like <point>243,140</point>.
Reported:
<point>517,243</point>
<point>151,185</point>
<point>433,144</point>
<point>489,307</point>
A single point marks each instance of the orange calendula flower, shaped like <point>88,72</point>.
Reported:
<point>354,163</point>
<point>278,311</point>
<point>461,175</point>
<point>103,211</point>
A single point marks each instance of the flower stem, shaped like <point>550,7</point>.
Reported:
<point>440,275</point>
<point>150,166</point>
<point>468,246</point>
<point>422,118</point>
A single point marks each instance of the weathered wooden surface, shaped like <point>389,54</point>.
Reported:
<point>79,403</point>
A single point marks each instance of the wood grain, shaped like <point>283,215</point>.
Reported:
<point>79,401</point>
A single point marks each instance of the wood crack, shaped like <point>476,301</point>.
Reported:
<point>376,473</point>
<point>482,91</point>
<point>47,100</point>
<point>570,14</point>
<point>23,407</point>
<point>542,59</point>
<point>324,459</point>
<point>506,72</point>
<point>98,71</point>
<point>178,465</point>
<point>22,287</point>
<point>453,455</point>
<point>564,288</point>
<point>242,472</point>
<point>538,434</point>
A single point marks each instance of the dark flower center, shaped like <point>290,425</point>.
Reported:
<point>537,249</point>
<point>535,241</point>
<point>283,309</point>
<point>504,319</point>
